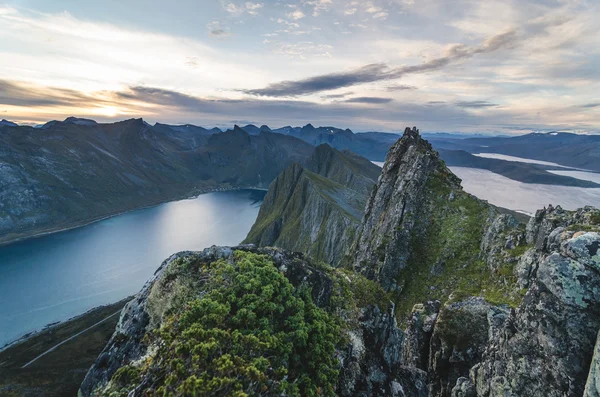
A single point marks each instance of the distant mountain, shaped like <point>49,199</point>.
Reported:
<point>580,151</point>
<point>372,145</point>
<point>6,123</point>
<point>79,121</point>
<point>316,208</point>
<point>518,171</point>
<point>75,173</point>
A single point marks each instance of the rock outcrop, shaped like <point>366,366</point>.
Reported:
<point>546,345</point>
<point>316,208</point>
<point>370,361</point>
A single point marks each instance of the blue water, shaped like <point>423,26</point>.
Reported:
<point>55,277</point>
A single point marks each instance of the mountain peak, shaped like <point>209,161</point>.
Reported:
<point>414,185</point>
<point>79,121</point>
<point>6,123</point>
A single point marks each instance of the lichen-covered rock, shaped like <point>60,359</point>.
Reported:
<point>592,387</point>
<point>464,388</point>
<point>500,240</point>
<point>459,340</point>
<point>418,334</point>
<point>546,345</point>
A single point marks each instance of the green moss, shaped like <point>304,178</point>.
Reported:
<point>519,250</point>
<point>583,228</point>
<point>445,255</point>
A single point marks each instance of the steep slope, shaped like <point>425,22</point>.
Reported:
<point>68,173</point>
<point>317,208</point>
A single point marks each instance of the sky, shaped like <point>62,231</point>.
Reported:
<point>486,66</point>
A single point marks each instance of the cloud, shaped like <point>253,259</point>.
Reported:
<point>475,104</point>
<point>319,6</point>
<point>303,49</point>
<point>253,8</point>
<point>216,30</point>
<point>295,15</point>
<point>248,7</point>
<point>591,105</point>
<point>378,72</point>
<point>29,95</point>
<point>338,96</point>
<point>368,99</point>
<point>400,87</point>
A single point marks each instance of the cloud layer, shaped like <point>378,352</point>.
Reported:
<point>498,65</point>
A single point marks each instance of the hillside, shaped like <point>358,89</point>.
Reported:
<point>316,208</point>
<point>66,174</point>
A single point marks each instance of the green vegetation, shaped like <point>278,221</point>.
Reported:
<point>595,218</point>
<point>446,259</point>
<point>583,228</point>
<point>250,333</point>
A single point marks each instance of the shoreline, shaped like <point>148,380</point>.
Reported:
<point>190,196</point>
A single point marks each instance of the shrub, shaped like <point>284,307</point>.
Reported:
<point>251,333</point>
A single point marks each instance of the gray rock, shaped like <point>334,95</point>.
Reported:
<point>546,345</point>
<point>418,334</point>
<point>592,387</point>
<point>464,388</point>
<point>459,340</point>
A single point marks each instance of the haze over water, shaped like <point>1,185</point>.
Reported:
<point>59,276</point>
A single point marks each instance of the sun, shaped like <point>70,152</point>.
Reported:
<point>108,111</point>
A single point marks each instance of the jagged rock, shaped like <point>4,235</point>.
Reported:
<point>592,387</point>
<point>546,345</point>
<point>526,267</point>
<point>418,334</point>
<point>372,364</point>
<point>502,236</point>
<point>464,388</point>
<point>397,208</point>
<point>459,340</point>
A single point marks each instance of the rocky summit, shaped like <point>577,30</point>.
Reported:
<point>436,294</point>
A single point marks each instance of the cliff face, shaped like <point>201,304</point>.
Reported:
<point>316,208</point>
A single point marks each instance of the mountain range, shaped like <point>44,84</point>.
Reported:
<point>67,173</point>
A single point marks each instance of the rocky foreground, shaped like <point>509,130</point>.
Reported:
<point>439,294</point>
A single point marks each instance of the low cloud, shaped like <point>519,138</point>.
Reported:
<point>215,29</point>
<point>476,104</point>
<point>338,96</point>
<point>401,87</point>
<point>368,99</point>
<point>379,71</point>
